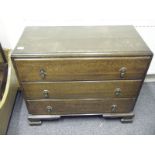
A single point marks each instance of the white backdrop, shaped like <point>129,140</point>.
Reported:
<point>16,14</point>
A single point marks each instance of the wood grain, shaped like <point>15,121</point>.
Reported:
<point>81,106</point>
<point>82,89</point>
<point>84,41</point>
<point>76,70</point>
<point>72,69</point>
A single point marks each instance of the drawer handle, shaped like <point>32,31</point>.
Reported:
<point>113,108</point>
<point>123,72</point>
<point>46,93</point>
<point>49,109</point>
<point>117,91</point>
<point>42,73</point>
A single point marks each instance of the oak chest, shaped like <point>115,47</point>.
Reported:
<point>81,70</point>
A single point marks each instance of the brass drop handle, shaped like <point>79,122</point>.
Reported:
<point>42,73</point>
<point>114,108</point>
<point>46,93</point>
<point>123,72</point>
<point>117,92</point>
<point>49,109</point>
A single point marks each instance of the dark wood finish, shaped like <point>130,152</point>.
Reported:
<point>81,106</point>
<point>83,41</point>
<point>68,69</point>
<point>81,70</point>
<point>83,89</point>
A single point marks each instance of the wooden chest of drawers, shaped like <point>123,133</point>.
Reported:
<point>81,70</point>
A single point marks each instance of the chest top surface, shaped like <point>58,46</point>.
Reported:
<point>70,41</point>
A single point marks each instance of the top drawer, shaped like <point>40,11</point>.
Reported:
<point>67,69</point>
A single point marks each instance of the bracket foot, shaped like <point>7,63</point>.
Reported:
<point>127,120</point>
<point>34,122</point>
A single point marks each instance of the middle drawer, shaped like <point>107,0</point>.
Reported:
<point>82,89</point>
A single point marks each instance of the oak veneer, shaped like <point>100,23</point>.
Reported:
<point>82,89</point>
<point>71,69</point>
<point>81,70</point>
<point>79,106</point>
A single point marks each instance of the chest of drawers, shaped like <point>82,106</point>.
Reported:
<point>81,70</point>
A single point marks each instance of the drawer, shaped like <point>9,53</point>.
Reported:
<point>82,89</point>
<point>81,69</point>
<point>80,106</point>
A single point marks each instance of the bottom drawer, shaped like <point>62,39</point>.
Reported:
<point>80,106</point>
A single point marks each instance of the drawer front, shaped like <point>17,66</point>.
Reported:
<point>82,89</point>
<point>81,69</point>
<point>75,106</point>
